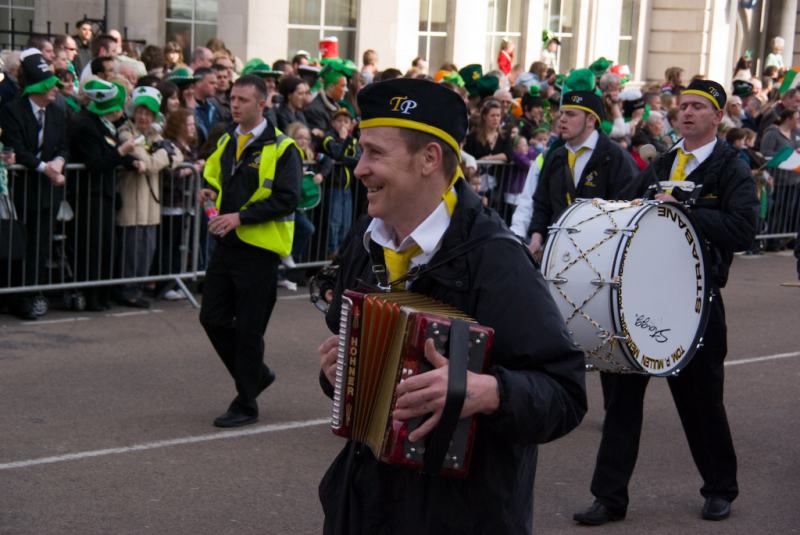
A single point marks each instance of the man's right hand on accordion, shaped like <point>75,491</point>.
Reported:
<point>426,393</point>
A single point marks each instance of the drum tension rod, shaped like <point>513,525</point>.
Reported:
<point>601,282</point>
<point>556,280</point>
<point>628,231</point>
<point>570,230</point>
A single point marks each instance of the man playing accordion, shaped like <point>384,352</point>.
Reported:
<point>436,239</point>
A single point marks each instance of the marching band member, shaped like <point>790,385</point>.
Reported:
<point>725,214</point>
<point>422,214</point>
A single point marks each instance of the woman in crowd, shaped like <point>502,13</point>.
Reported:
<point>173,57</point>
<point>140,213</point>
<point>486,142</point>
<point>94,143</point>
<point>295,94</point>
<point>782,134</point>
<point>170,101</point>
<point>177,201</point>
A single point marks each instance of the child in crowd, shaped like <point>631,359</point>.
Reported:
<point>522,157</point>
<point>342,146</point>
<point>540,139</point>
<point>316,167</point>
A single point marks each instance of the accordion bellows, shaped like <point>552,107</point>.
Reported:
<point>381,343</point>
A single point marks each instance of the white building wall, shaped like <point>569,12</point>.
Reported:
<point>390,27</point>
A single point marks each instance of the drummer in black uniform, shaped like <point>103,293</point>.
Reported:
<point>725,211</point>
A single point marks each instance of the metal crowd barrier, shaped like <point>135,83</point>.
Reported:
<point>72,237</point>
<point>779,214</point>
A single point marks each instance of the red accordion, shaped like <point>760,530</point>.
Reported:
<point>381,343</point>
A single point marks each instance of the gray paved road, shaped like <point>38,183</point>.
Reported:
<point>120,406</point>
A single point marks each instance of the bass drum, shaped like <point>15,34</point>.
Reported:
<point>631,282</point>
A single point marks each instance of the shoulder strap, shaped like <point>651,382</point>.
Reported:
<point>382,274</point>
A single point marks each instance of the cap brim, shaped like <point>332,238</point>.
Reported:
<point>92,107</point>
<point>44,86</point>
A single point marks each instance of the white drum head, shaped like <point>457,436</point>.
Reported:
<point>661,302</point>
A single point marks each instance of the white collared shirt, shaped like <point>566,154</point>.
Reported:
<point>700,155</point>
<point>428,235</point>
<point>580,162</point>
<point>257,131</point>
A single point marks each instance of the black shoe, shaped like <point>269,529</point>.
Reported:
<point>716,508</point>
<point>597,515</point>
<point>235,419</point>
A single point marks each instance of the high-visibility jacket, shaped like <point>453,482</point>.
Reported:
<point>275,235</point>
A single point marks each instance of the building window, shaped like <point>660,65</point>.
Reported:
<point>312,20</point>
<point>627,29</point>
<point>560,16</point>
<point>433,32</point>
<point>21,12</point>
<point>504,22</point>
<point>191,23</point>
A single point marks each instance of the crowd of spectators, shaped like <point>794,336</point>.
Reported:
<point>156,115</point>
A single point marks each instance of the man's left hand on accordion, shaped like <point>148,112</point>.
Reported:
<point>426,393</point>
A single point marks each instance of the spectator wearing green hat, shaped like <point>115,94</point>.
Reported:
<point>94,143</point>
<point>334,87</point>
<point>36,129</point>
<point>139,189</point>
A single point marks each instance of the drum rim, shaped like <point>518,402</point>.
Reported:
<point>616,294</point>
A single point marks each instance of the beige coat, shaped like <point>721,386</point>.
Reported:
<point>137,190</point>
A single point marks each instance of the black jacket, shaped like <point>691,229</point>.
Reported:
<point>607,172</point>
<point>93,145</point>
<point>287,116</point>
<point>241,179</point>
<point>540,375</point>
<point>21,132</point>
<point>727,210</point>
<point>317,114</point>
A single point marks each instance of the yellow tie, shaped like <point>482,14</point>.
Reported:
<point>241,143</point>
<point>572,156</point>
<point>397,263</point>
<point>679,174</point>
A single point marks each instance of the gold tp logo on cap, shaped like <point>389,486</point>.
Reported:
<point>402,104</point>
<point>577,99</point>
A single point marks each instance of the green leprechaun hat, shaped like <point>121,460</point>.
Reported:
<point>258,67</point>
<point>104,97</point>
<point>471,74</point>
<point>181,76</point>
<point>38,75</point>
<point>146,96</point>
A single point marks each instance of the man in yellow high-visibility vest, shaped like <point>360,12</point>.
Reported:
<point>254,179</point>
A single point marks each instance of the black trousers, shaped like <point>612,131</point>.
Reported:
<point>238,297</point>
<point>698,394</point>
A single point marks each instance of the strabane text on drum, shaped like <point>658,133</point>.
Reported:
<point>665,211</point>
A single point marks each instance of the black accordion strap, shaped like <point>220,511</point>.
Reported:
<point>458,356</point>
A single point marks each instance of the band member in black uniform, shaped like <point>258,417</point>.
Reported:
<point>588,165</point>
<point>725,214</point>
<point>422,215</point>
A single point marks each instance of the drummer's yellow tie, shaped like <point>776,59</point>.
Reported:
<point>573,156</point>
<point>679,174</point>
<point>241,143</point>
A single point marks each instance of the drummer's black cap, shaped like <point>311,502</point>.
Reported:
<point>417,105</point>
<point>708,89</point>
<point>587,101</point>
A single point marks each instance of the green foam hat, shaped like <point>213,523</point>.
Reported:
<point>600,66</point>
<point>258,67</point>
<point>579,80</point>
<point>181,76</point>
<point>471,74</point>
<point>146,96</point>
<point>453,78</point>
<point>104,97</point>
<point>487,85</point>
<point>335,68</point>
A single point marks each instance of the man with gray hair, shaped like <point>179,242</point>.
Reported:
<point>202,58</point>
<point>651,133</point>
